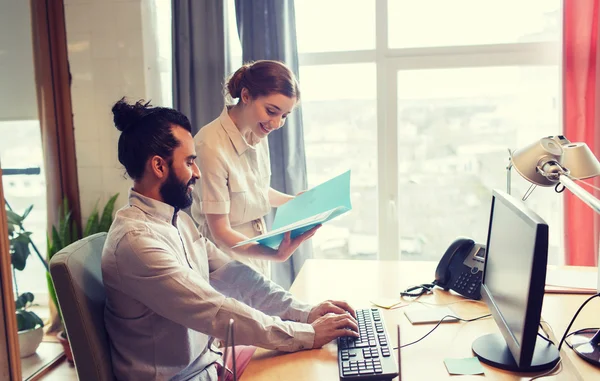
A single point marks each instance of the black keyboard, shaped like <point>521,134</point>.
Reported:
<point>370,356</point>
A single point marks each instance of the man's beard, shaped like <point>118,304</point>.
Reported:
<point>175,193</point>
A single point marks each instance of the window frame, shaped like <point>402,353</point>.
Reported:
<point>388,62</point>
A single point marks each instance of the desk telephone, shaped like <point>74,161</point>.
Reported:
<point>461,268</point>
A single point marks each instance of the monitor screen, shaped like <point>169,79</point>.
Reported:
<point>514,273</point>
<point>510,249</point>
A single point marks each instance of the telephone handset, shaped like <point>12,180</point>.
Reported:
<point>461,268</point>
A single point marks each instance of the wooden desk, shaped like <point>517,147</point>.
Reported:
<point>359,281</point>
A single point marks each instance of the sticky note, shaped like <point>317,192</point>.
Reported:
<point>388,303</point>
<point>470,365</point>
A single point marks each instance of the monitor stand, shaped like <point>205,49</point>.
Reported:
<point>586,343</point>
<point>492,350</point>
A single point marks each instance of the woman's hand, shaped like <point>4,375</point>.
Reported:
<point>289,244</point>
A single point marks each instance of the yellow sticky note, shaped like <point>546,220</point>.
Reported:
<point>388,303</point>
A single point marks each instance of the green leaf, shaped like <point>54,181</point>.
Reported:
<point>28,320</point>
<point>20,252</point>
<point>107,214</point>
<point>13,218</point>
<point>23,300</point>
<point>66,232</point>
<point>74,235</point>
<point>56,241</point>
<point>27,211</point>
<point>49,248</point>
<point>53,296</point>
<point>21,321</point>
<point>65,206</point>
<point>92,222</point>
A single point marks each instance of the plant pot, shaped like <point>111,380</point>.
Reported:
<point>62,338</point>
<point>30,340</point>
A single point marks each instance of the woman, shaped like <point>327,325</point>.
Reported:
<point>233,156</point>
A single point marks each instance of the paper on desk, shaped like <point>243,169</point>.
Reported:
<point>388,303</point>
<point>470,365</point>
<point>315,206</point>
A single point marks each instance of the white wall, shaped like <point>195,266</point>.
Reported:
<point>111,54</point>
<point>17,89</point>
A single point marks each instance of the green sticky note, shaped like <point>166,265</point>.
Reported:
<point>469,365</point>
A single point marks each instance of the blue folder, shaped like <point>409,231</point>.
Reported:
<point>313,207</point>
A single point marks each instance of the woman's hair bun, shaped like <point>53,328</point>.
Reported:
<point>236,82</point>
<point>125,115</point>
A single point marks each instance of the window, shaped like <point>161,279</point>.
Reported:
<point>454,128</point>
<point>21,147</point>
<point>161,24</point>
<point>340,120</point>
<point>426,23</point>
<point>422,100</point>
<point>321,26</point>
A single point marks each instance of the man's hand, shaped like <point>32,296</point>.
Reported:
<point>330,306</point>
<point>289,244</point>
<point>332,326</point>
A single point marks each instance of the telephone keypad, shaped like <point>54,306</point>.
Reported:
<point>467,283</point>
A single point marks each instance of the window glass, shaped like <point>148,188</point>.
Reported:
<point>426,23</point>
<point>21,147</point>
<point>340,133</point>
<point>455,127</point>
<point>335,25</point>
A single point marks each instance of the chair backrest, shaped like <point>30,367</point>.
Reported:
<point>77,278</point>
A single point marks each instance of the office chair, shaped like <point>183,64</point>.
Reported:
<point>77,278</point>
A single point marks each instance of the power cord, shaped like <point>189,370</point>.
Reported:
<point>562,340</point>
<point>583,330</point>
<point>419,290</point>
<point>440,322</point>
<point>547,338</point>
<point>573,320</point>
<point>550,372</point>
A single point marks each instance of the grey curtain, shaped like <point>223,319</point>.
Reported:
<point>199,59</point>
<point>267,30</point>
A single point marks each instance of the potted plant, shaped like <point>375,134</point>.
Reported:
<point>29,325</point>
<point>65,234</point>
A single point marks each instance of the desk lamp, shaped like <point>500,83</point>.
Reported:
<point>550,161</point>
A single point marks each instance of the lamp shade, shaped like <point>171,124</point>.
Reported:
<point>580,161</point>
<point>527,159</point>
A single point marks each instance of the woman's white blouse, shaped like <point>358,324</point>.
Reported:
<point>235,177</point>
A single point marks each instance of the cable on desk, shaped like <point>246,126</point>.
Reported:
<point>573,320</point>
<point>440,322</point>
<point>550,372</point>
<point>547,337</point>
<point>578,332</point>
<point>418,291</point>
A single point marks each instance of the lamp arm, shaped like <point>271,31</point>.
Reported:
<point>508,175</point>
<point>581,193</point>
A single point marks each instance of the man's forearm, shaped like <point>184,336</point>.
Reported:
<point>241,282</point>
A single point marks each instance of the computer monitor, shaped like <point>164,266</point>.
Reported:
<point>513,288</point>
